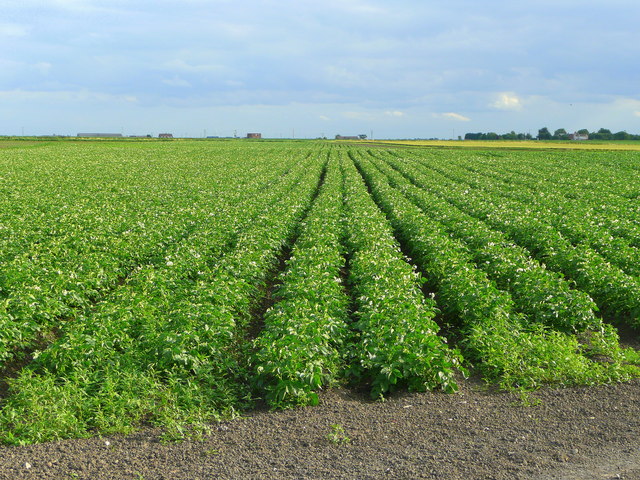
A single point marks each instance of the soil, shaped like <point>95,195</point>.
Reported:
<point>572,433</point>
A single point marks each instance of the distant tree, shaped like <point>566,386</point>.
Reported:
<point>621,136</point>
<point>560,134</point>
<point>602,134</point>
<point>494,136</point>
<point>583,131</point>
<point>544,134</point>
<point>362,136</point>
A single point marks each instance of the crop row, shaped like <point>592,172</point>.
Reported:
<point>616,293</point>
<point>576,220</point>
<point>175,284</point>
<point>502,342</point>
<point>544,296</point>
<point>397,341</point>
<point>161,347</point>
<point>301,346</point>
<point>309,340</point>
<point>84,231</point>
<point>601,200</point>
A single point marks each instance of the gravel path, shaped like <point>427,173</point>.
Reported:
<point>577,433</point>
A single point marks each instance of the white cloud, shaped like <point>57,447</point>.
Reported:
<point>342,76</point>
<point>356,7</point>
<point>176,82</point>
<point>507,101</point>
<point>182,66</point>
<point>387,67</point>
<point>42,67</point>
<point>20,95</point>
<point>359,115</point>
<point>627,104</point>
<point>13,30</point>
<point>454,116</point>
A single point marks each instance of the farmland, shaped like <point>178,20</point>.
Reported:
<point>517,144</point>
<point>176,283</point>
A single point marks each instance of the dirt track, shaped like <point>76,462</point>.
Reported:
<point>589,433</point>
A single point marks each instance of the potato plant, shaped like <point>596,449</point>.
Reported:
<point>302,346</point>
<point>616,293</point>
<point>506,346</point>
<point>397,336</point>
<point>177,283</point>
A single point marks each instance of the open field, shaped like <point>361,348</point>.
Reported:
<point>511,144</point>
<point>17,143</point>
<point>173,284</point>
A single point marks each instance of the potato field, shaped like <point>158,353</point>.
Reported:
<point>175,283</point>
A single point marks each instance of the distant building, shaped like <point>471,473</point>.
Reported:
<point>254,135</point>
<point>578,136</point>
<point>347,137</point>
<point>101,135</point>
<point>165,135</point>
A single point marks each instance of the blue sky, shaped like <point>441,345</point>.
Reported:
<point>401,69</point>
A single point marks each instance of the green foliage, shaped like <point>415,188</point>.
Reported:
<point>167,346</point>
<point>133,276</point>
<point>544,296</point>
<point>503,343</point>
<point>544,134</point>
<point>337,435</point>
<point>616,293</point>
<point>301,347</point>
<point>398,342</point>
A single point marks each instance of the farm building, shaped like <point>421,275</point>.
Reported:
<point>254,135</point>
<point>578,136</point>
<point>165,135</point>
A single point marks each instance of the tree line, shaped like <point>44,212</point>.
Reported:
<point>559,134</point>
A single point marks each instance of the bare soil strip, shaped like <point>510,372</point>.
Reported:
<point>576,433</point>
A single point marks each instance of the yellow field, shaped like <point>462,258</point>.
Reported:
<point>525,144</point>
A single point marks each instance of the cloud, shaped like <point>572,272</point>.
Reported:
<point>20,95</point>
<point>176,82</point>
<point>359,115</point>
<point>387,66</point>
<point>342,76</point>
<point>454,116</point>
<point>507,101</point>
<point>626,103</point>
<point>42,67</point>
<point>13,30</point>
<point>183,66</point>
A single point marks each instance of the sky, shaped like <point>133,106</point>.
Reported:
<point>307,69</point>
